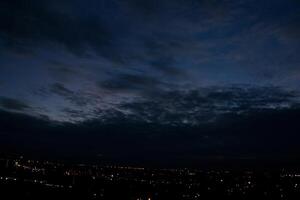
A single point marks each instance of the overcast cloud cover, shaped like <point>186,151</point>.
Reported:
<point>157,62</point>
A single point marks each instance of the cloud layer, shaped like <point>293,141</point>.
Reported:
<point>77,61</point>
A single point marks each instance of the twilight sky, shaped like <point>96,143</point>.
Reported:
<point>177,74</point>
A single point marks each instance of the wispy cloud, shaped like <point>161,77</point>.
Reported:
<point>13,104</point>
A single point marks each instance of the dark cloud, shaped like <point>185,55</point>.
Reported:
<point>31,23</point>
<point>74,97</point>
<point>161,34</point>
<point>132,82</point>
<point>13,104</point>
<point>59,89</point>
<point>186,107</point>
<point>62,70</point>
<point>74,114</point>
<point>208,104</point>
<point>163,60</point>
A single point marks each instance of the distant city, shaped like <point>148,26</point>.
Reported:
<point>22,178</point>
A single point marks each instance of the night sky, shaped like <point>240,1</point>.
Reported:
<point>178,81</point>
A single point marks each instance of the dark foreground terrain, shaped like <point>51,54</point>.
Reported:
<point>35,179</point>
